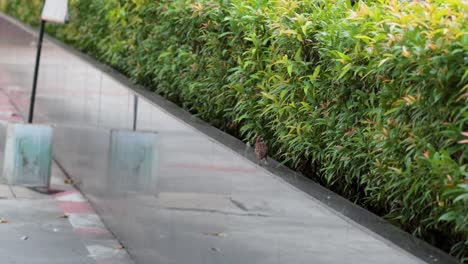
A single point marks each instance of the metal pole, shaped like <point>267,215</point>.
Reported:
<point>135,111</point>
<point>36,72</point>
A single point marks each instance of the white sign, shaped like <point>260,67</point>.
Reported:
<point>55,11</point>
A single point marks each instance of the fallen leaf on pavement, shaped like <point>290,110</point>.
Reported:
<point>215,249</point>
<point>68,181</point>
<point>217,234</point>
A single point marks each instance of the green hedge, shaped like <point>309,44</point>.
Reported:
<point>369,100</point>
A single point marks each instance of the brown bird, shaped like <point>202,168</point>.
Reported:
<point>261,150</point>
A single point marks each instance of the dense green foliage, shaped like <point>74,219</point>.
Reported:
<point>370,100</point>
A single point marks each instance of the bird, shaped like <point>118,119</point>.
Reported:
<point>261,150</point>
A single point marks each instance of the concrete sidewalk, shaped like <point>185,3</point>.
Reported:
<point>55,227</point>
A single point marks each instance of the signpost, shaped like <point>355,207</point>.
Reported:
<point>55,11</point>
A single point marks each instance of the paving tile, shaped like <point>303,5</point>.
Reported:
<point>28,193</point>
<point>5,192</point>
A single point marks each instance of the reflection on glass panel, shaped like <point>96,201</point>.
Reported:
<point>92,91</point>
<point>144,115</point>
<point>114,105</point>
<point>3,129</point>
<point>28,154</point>
<point>133,162</point>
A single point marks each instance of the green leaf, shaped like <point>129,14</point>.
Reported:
<point>316,73</point>
<point>345,70</point>
<point>450,216</point>
<point>365,38</point>
<point>290,68</point>
<point>463,197</point>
